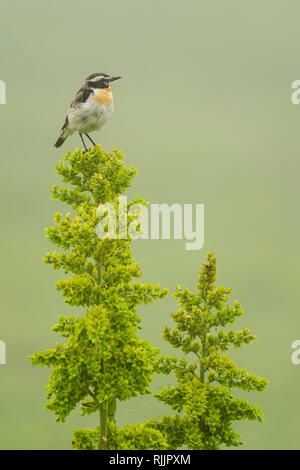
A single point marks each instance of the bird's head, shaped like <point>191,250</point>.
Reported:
<point>100,80</point>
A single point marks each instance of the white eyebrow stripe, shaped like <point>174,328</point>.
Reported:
<point>96,79</point>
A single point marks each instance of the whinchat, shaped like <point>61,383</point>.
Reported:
<point>90,109</point>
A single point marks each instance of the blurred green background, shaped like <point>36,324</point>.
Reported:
<point>204,111</point>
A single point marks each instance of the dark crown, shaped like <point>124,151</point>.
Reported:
<point>98,80</point>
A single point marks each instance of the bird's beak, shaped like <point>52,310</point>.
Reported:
<point>114,78</point>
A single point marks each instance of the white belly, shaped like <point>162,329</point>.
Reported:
<point>89,116</point>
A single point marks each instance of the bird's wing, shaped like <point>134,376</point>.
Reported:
<point>81,96</point>
<point>66,123</point>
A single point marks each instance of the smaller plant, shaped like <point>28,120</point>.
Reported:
<point>203,394</point>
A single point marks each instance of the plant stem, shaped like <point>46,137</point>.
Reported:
<point>111,409</point>
<point>202,376</point>
<point>99,282</point>
<point>202,372</point>
<point>103,426</point>
<point>103,408</point>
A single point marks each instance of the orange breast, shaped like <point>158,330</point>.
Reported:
<point>103,96</point>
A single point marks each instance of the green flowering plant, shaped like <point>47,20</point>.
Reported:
<point>203,399</point>
<point>101,359</point>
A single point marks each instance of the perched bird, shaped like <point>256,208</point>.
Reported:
<point>90,109</point>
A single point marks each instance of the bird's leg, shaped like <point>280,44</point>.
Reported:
<point>85,148</point>
<point>91,140</point>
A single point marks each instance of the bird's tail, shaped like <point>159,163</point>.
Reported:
<point>65,132</point>
<point>60,141</point>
